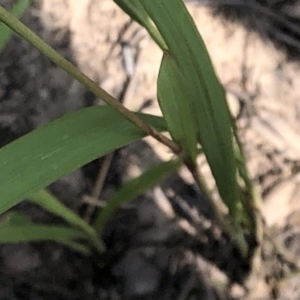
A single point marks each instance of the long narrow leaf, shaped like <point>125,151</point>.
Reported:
<point>17,11</point>
<point>35,232</point>
<point>15,218</point>
<point>134,188</point>
<point>175,104</point>
<point>17,227</point>
<point>46,154</point>
<point>187,47</point>
<point>51,204</point>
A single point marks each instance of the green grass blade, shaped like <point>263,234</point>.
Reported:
<point>187,48</point>
<point>134,188</point>
<point>46,154</point>
<point>77,247</point>
<point>17,227</point>
<point>15,218</point>
<point>137,12</point>
<point>17,11</point>
<point>175,104</point>
<point>51,204</point>
<point>41,233</point>
<point>30,232</point>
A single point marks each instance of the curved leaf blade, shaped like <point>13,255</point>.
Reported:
<point>54,206</point>
<point>18,227</point>
<point>37,233</point>
<point>133,188</point>
<point>46,154</point>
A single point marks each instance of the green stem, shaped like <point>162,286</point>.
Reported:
<point>217,210</point>
<point>252,208</point>
<point>60,61</point>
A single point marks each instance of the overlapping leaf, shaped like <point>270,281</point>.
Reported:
<point>137,12</point>
<point>188,50</point>
<point>176,106</point>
